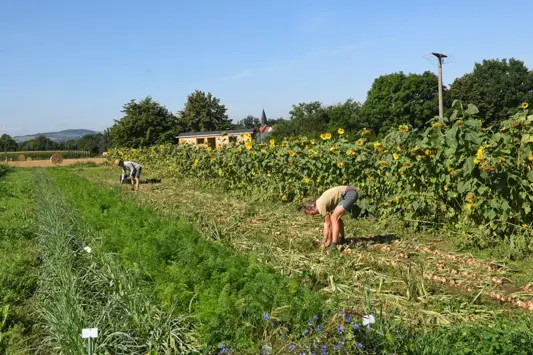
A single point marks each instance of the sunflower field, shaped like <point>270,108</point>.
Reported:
<point>453,174</point>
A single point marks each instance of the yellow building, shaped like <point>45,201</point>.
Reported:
<point>215,138</point>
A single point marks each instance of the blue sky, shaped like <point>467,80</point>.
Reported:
<point>73,64</point>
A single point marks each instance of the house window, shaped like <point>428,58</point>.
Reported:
<point>200,140</point>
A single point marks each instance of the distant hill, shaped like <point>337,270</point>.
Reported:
<point>60,136</point>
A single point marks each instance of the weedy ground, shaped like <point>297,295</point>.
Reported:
<point>183,266</point>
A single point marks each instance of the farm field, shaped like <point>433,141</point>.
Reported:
<point>47,163</point>
<point>182,268</point>
<point>46,154</point>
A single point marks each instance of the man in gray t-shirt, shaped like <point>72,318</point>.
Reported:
<point>135,171</point>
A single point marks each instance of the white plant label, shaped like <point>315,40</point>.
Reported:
<point>89,333</point>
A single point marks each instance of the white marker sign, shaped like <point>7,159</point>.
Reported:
<point>89,333</point>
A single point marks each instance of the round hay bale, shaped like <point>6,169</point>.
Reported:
<point>21,157</point>
<point>29,159</point>
<point>56,158</point>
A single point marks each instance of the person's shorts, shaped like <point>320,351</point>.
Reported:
<point>348,199</point>
<point>137,172</point>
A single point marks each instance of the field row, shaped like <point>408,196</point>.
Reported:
<point>399,275</point>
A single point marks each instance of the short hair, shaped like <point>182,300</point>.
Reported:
<point>308,206</point>
<point>118,162</point>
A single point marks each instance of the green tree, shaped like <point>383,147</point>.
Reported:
<point>249,122</point>
<point>203,112</point>
<point>144,123</point>
<point>7,143</point>
<point>311,119</point>
<point>496,87</point>
<point>396,99</point>
<point>39,143</point>
<point>94,143</point>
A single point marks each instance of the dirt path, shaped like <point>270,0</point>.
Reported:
<point>45,163</point>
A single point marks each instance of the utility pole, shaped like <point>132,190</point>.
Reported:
<point>441,104</point>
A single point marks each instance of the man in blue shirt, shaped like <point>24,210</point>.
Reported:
<point>135,171</point>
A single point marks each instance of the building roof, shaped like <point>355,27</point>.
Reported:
<point>214,133</point>
<point>265,129</point>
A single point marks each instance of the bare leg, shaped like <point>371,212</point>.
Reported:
<point>326,240</point>
<point>335,218</point>
<point>341,228</point>
<point>136,184</point>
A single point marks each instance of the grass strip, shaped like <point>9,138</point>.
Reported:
<point>19,261</point>
<point>80,288</point>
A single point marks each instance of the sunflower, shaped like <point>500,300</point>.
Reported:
<point>333,149</point>
<point>407,165</point>
<point>248,145</point>
<point>312,141</point>
<point>479,156</point>
<point>318,179</point>
<point>306,180</point>
<point>365,132</point>
<point>323,136</point>
<point>162,146</point>
<point>360,142</point>
<point>292,153</point>
<point>264,151</point>
<point>470,197</point>
<point>328,135</point>
<point>269,174</point>
<point>525,105</point>
<point>530,157</point>
<point>446,188</point>
<point>284,198</point>
<point>459,122</point>
<point>239,149</point>
<point>351,153</point>
<point>396,156</point>
<point>284,143</point>
<point>404,128</point>
<point>272,142</point>
<point>379,147</point>
<point>340,131</point>
<point>437,125</point>
<point>383,163</point>
<point>340,164</point>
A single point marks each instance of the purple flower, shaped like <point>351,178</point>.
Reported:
<point>342,314</point>
<point>348,319</point>
<point>355,326</point>
<point>311,322</point>
<point>359,345</point>
<point>306,331</point>
<point>324,348</point>
<point>319,328</point>
<point>292,347</point>
<point>340,330</point>
<point>315,317</point>
<point>266,317</point>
